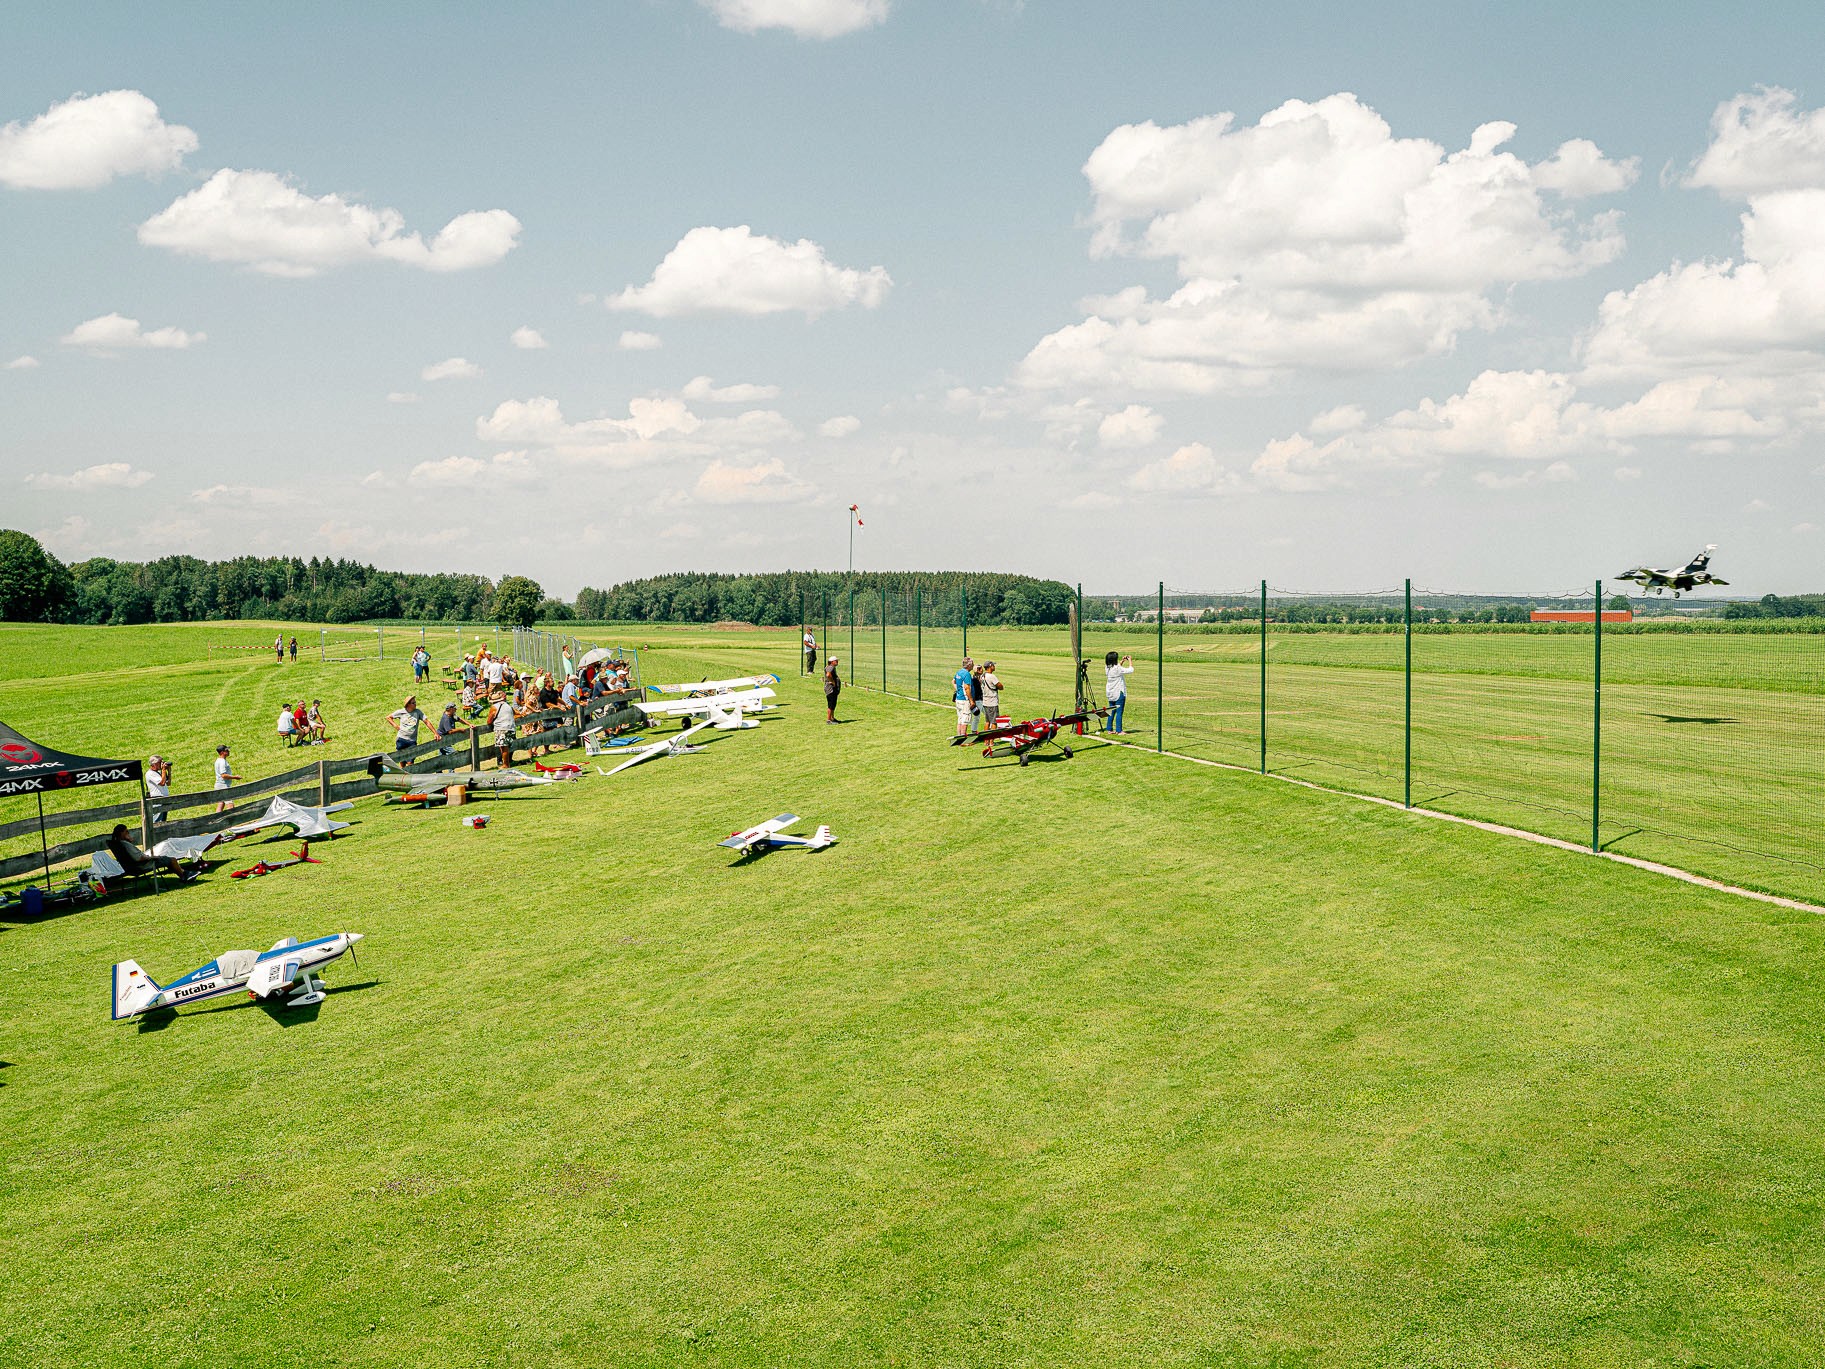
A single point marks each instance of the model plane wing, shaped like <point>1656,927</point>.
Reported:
<point>748,837</point>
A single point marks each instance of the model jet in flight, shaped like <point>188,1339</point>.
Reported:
<point>288,968</point>
<point>1689,576</point>
<point>772,836</point>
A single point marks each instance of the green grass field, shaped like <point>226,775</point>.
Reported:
<point>1713,745</point>
<point>1114,1061</point>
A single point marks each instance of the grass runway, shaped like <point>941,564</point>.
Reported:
<point>1109,1061</point>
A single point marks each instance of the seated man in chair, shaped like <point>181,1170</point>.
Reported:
<point>136,862</point>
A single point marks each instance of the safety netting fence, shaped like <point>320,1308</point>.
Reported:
<point>1697,742</point>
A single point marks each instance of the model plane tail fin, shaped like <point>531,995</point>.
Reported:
<point>134,989</point>
<point>822,837</point>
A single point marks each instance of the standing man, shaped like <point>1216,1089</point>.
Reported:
<point>278,649</point>
<point>158,785</point>
<point>224,775</point>
<point>833,686</point>
<point>503,723</point>
<point>810,645</point>
<point>406,720</point>
<point>294,650</point>
<point>446,727</point>
<point>961,694</point>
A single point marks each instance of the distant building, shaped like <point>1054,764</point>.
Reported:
<point>1581,615</point>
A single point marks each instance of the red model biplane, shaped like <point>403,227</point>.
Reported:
<point>1020,740</point>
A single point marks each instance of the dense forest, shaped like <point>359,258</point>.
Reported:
<point>786,598</point>
<point>1780,606</point>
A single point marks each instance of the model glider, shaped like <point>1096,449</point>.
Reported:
<point>310,822</point>
<point>671,746</point>
<point>708,687</point>
<point>389,776</point>
<point>772,836</point>
<point>748,700</point>
<point>1020,740</point>
<point>288,968</point>
<point>1694,573</point>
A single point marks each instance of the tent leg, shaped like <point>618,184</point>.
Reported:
<point>43,849</point>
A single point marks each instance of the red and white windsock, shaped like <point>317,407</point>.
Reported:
<point>853,509</point>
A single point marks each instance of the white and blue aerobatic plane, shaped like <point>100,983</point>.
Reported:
<point>288,968</point>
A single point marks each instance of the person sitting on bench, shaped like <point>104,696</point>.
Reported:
<point>136,862</point>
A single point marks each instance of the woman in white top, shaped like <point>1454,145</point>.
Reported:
<point>1117,669</point>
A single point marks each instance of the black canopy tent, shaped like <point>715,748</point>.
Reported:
<point>28,767</point>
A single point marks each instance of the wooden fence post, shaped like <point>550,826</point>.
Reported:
<point>323,784</point>
<point>475,747</point>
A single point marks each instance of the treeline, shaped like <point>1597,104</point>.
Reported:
<point>1780,606</point>
<point>787,598</point>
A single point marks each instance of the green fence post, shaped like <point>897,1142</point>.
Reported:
<point>883,639</point>
<point>1597,717</point>
<point>1408,766</point>
<point>1264,677</point>
<point>852,629</point>
<point>965,592</point>
<point>823,598</point>
<point>1159,680</point>
<point>799,646</point>
<point>919,636</point>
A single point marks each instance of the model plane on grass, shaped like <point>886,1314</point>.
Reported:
<point>745,700</point>
<point>567,771</point>
<point>705,687</point>
<point>1020,740</point>
<point>1694,573</point>
<point>390,776</point>
<point>772,836</point>
<point>287,969</point>
<point>309,822</point>
<point>671,746</point>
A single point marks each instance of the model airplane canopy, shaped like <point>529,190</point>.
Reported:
<point>29,767</point>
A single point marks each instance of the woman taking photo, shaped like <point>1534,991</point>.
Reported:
<point>1117,669</point>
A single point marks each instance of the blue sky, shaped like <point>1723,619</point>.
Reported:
<point>1111,293</point>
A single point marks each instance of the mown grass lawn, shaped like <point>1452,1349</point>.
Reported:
<point>1110,1061</point>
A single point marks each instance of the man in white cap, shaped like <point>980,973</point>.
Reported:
<point>158,784</point>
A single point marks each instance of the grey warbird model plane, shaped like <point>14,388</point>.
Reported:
<point>389,776</point>
<point>1694,573</point>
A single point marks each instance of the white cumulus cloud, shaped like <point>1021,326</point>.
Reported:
<point>1192,469</point>
<point>1558,473</point>
<point>736,271</point>
<point>21,363</point>
<point>88,140</point>
<point>703,388</point>
<point>1134,426</point>
<point>114,333</point>
<point>451,368</point>
<point>1761,142</point>
<point>110,475</point>
<point>261,220</point>
<point>631,341</point>
<point>843,425</point>
<point>528,339</point>
<point>764,482</point>
<point>474,472</point>
<point>801,18</point>
<point>1314,239</point>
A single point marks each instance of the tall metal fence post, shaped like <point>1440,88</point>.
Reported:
<point>965,592</point>
<point>1159,683</point>
<point>883,639</point>
<point>803,623</point>
<point>380,639</point>
<point>1597,717</point>
<point>322,645</point>
<point>852,631</point>
<point>1264,677</point>
<point>919,637</point>
<point>823,598</point>
<point>1407,767</point>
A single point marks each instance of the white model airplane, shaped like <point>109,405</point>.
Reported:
<point>750,700</point>
<point>772,836</point>
<point>310,822</point>
<point>1689,576</point>
<point>671,746</point>
<point>288,966</point>
<point>719,686</point>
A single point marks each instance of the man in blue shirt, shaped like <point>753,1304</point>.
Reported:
<point>960,692</point>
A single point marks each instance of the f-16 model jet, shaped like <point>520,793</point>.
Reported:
<point>671,746</point>
<point>1020,740</point>
<point>288,969</point>
<point>704,687</point>
<point>1689,576</point>
<point>389,776</point>
<point>772,836</point>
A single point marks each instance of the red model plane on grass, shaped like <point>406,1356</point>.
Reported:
<point>1020,740</point>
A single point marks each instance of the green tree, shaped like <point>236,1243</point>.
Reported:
<point>516,601</point>
<point>34,585</point>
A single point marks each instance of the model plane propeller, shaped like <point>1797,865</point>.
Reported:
<point>1689,576</point>
<point>288,969</point>
<point>1020,740</point>
<point>772,836</point>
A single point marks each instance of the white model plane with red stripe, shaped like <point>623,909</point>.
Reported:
<point>772,836</point>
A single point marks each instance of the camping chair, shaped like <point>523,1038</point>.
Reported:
<point>105,868</point>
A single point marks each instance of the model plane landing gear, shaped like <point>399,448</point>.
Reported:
<point>310,990</point>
